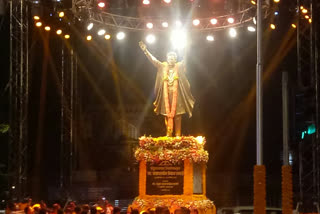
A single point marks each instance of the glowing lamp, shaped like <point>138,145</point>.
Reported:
<point>67,36</point>
<point>304,10</point>
<point>251,29</point>
<point>196,22</point>
<point>210,38</point>
<point>310,21</point>
<point>89,37</point>
<point>293,26</point>
<point>307,17</point>
<point>150,38</point>
<point>232,32</point>
<point>59,32</point>
<point>101,4</point>
<point>101,32</point>
<point>146,2</point>
<point>90,26</point>
<point>39,24</point>
<point>47,28</point>
<point>179,39</point>
<point>149,25</point>
<point>36,17</point>
<point>61,14</point>
<point>231,20</point>
<point>121,35</point>
<point>200,139</point>
<point>213,21</point>
<point>107,36</point>
<point>167,1</point>
<point>165,24</point>
<point>276,1</point>
<point>272,26</point>
<point>253,2</point>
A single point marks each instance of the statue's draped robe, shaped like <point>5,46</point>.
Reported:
<point>185,100</point>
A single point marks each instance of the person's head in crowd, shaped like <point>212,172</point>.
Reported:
<point>194,211</point>
<point>68,210</point>
<point>185,210</point>
<point>11,206</point>
<point>135,211</point>
<point>178,211</point>
<point>60,211</point>
<point>42,211</point>
<point>165,210</point>
<point>116,210</point>
<point>77,210</point>
<point>28,210</point>
<point>85,208</point>
<point>152,210</point>
<point>93,210</point>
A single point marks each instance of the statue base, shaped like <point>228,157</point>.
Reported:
<point>172,173</point>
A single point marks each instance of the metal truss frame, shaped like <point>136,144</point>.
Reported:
<point>116,21</point>
<point>19,92</point>
<point>308,89</point>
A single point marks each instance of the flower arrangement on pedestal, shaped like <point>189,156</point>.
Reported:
<point>173,149</point>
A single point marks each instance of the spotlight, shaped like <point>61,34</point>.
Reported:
<point>36,18</point>
<point>101,4</point>
<point>101,32</point>
<point>254,20</point>
<point>251,29</point>
<point>276,13</point>
<point>213,21</point>
<point>61,14</point>
<point>210,38</point>
<point>149,25</point>
<point>47,28</point>
<point>310,21</point>
<point>165,24</point>
<point>307,17</point>
<point>178,39</point>
<point>150,38</point>
<point>294,26</point>
<point>90,26</point>
<point>178,23</point>
<point>301,7</point>
<point>167,1</point>
<point>89,38</point>
<point>231,20</point>
<point>120,35</point>
<point>67,36</point>
<point>196,22</point>
<point>146,2</point>
<point>276,1</point>
<point>39,24</point>
<point>272,26</point>
<point>253,2</point>
<point>107,36</point>
<point>304,10</point>
<point>59,32</point>
<point>232,32</point>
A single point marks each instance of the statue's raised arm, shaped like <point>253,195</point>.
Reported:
<point>151,58</point>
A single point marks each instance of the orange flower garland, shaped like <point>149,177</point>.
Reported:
<point>171,110</point>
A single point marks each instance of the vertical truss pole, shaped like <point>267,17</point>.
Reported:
<point>18,142</point>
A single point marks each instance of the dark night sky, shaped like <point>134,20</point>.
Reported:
<point>222,77</point>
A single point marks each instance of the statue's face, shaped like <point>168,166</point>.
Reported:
<point>171,59</point>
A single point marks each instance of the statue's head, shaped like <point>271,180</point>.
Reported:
<point>171,58</point>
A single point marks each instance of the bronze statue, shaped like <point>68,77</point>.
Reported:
<point>172,89</point>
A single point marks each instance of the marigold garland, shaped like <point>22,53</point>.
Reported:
<point>170,110</point>
<point>139,203</point>
<point>173,149</point>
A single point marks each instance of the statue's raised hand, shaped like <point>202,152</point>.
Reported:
<point>142,46</point>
